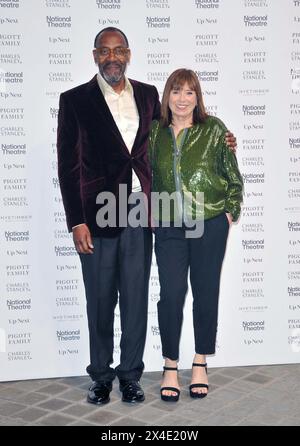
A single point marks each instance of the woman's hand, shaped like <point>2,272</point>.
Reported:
<point>229,218</point>
<point>231,141</point>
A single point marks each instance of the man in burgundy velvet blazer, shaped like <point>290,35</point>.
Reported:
<point>94,157</point>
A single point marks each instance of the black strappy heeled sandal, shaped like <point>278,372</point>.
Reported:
<point>170,398</point>
<point>194,386</point>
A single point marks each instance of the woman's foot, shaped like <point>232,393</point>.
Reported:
<point>170,379</point>
<point>199,376</point>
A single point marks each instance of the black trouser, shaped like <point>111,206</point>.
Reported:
<point>119,267</point>
<point>175,254</point>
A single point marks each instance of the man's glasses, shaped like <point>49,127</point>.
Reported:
<point>117,52</point>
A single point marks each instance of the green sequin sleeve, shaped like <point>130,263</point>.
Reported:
<point>235,181</point>
<point>152,138</point>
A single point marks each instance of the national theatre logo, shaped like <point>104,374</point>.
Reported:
<point>256,21</point>
<point>108,4</point>
<point>294,143</point>
<point>13,149</point>
<point>53,112</point>
<point>158,22</point>
<point>208,76</point>
<point>253,325</point>
<point>254,178</point>
<point>12,4</point>
<point>293,291</point>
<point>254,110</point>
<point>59,22</point>
<point>16,236</point>
<point>207,4</point>
<point>68,335</point>
<point>293,226</point>
<point>253,244</point>
<point>155,330</point>
<point>18,304</point>
<point>295,79</point>
<point>9,77</point>
<point>63,251</point>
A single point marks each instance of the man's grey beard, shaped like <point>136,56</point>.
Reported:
<point>112,79</point>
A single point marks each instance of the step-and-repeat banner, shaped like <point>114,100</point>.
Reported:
<point>247,56</point>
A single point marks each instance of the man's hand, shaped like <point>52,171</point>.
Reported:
<point>82,239</point>
<point>231,141</point>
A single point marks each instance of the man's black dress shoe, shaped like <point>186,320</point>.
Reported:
<point>132,391</point>
<point>99,392</point>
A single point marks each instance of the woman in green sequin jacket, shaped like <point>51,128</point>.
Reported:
<point>189,157</point>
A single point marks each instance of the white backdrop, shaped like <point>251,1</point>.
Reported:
<point>247,55</point>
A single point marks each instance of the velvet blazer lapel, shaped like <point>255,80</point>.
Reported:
<point>103,111</point>
<point>139,100</point>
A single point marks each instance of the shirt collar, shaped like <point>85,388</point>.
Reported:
<point>106,88</point>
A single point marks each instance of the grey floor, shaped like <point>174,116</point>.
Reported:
<point>246,396</point>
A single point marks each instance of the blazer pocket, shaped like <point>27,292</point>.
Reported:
<point>93,186</point>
